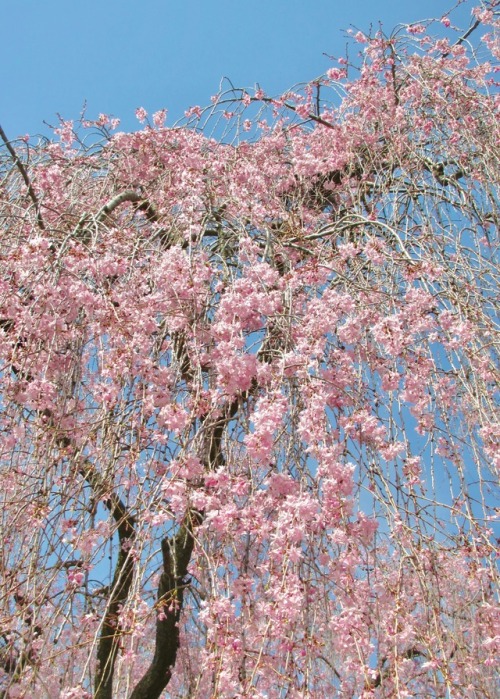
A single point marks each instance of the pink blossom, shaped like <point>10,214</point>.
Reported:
<point>360,38</point>
<point>335,73</point>
<point>193,111</point>
<point>159,118</point>
<point>75,577</point>
<point>141,114</point>
<point>416,29</point>
<point>249,386</point>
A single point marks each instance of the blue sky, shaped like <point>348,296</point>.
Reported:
<point>117,55</point>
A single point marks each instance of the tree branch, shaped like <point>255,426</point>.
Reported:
<point>109,639</point>
<point>25,176</point>
<point>176,551</point>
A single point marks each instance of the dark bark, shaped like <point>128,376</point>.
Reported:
<point>109,639</point>
<point>176,551</point>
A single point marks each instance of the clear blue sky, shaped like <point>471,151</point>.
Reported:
<point>117,55</point>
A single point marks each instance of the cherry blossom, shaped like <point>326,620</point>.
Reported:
<point>249,440</point>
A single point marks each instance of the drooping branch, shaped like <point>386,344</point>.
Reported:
<point>24,174</point>
<point>109,639</point>
<point>13,660</point>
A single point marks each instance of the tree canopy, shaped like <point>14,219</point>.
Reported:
<point>249,428</point>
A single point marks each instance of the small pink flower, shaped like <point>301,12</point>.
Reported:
<point>361,38</point>
<point>335,73</point>
<point>141,114</point>
<point>159,118</point>
<point>193,111</point>
<point>76,577</point>
<point>416,29</point>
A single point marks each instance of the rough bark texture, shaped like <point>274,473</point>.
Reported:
<point>176,552</point>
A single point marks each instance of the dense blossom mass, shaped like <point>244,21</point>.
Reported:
<point>248,431</point>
